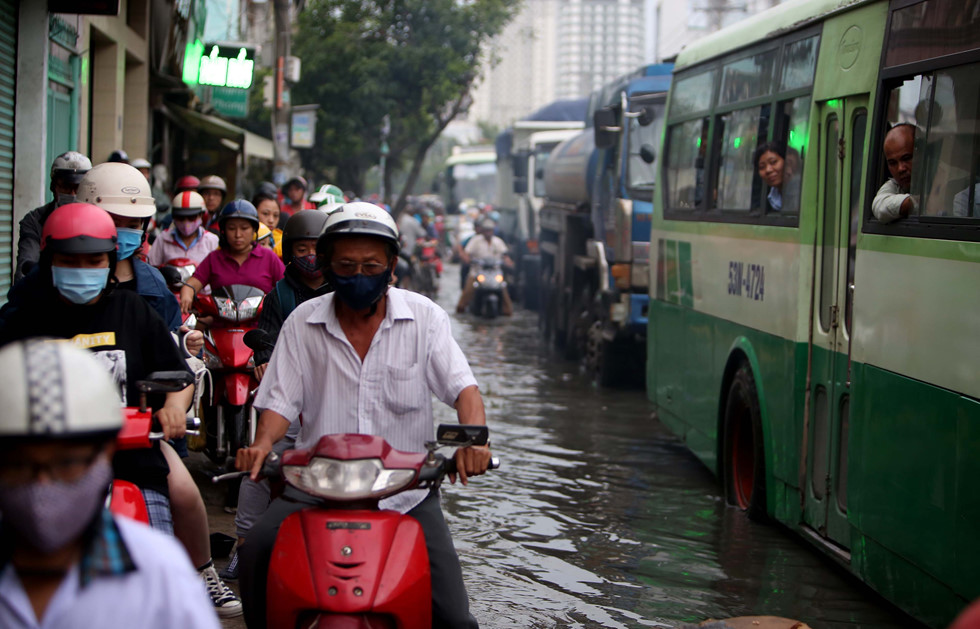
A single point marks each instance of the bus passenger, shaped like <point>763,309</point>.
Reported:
<point>776,166</point>
<point>893,199</point>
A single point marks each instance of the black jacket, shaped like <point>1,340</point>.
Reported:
<point>29,242</point>
<point>271,319</point>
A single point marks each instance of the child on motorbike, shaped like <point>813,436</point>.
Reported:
<point>268,210</point>
<point>303,280</point>
<point>72,297</point>
<point>237,260</point>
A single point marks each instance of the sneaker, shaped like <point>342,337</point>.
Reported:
<point>226,604</point>
<point>230,573</point>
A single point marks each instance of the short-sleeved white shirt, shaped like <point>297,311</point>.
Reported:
<point>315,372</point>
<point>162,592</point>
<point>478,248</point>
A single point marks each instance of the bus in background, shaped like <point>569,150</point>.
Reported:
<point>595,229</point>
<point>822,362</point>
<point>469,178</point>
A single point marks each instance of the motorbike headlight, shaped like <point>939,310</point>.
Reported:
<point>481,278</point>
<point>499,278</point>
<point>249,308</point>
<point>186,272</point>
<point>346,480</point>
<point>226,308</point>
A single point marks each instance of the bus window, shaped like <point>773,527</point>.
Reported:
<point>791,129</point>
<point>692,94</point>
<point>944,107</point>
<point>799,63</point>
<point>687,144</point>
<point>740,132</point>
<point>747,78</point>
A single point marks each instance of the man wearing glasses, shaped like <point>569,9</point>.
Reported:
<point>365,359</point>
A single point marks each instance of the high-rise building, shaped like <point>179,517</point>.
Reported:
<point>680,22</point>
<point>557,49</point>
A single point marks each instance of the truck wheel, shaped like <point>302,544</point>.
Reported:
<point>744,454</point>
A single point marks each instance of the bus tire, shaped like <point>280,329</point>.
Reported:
<point>744,453</point>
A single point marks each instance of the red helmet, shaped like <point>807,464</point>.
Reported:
<point>187,182</point>
<point>79,228</point>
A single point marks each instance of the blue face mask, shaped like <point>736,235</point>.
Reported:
<point>79,286</point>
<point>360,291</point>
<point>129,241</point>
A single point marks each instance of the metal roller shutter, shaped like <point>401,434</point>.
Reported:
<point>8,71</point>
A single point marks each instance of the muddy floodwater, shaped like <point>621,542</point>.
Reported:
<point>599,517</point>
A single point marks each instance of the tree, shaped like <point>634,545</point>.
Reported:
<point>414,60</point>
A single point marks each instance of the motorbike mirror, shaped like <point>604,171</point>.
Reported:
<point>165,382</point>
<point>648,153</point>
<point>462,435</point>
<point>171,276</point>
<point>258,339</point>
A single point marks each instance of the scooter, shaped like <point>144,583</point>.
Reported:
<point>489,287</point>
<point>229,418</point>
<point>139,431</point>
<point>345,562</point>
<point>429,267</point>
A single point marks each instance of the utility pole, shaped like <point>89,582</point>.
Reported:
<point>280,109</point>
<point>382,166</point>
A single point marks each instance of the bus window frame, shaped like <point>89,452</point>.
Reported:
<point>930,227</point>
<point>708,212</point>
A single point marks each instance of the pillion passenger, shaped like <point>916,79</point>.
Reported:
<point>893,200</point>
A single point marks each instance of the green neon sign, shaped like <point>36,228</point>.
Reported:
<point>193,52</point>
<point>225,71</point>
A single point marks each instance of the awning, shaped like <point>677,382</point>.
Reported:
<point>232,136</point>
<point>257,146</point>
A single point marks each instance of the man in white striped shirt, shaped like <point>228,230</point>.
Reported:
<point>364,359</point>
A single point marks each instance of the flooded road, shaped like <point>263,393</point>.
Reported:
<point>599,517</point>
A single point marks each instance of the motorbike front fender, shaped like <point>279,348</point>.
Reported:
<point>127,501</point>
<point>237,386</point>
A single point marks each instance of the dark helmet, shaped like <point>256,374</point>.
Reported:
<point>213,182</point>
<point>299,181</point>
<point>187,182</point>
<point>239,208</point>
<point>358,219</point>
<point>304,224</point>
<point>78,228</point>
<point>70,167</point>
<point>267,189</point>
<point>118,155</point>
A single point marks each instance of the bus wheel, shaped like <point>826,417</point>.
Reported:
<point>745,465</point>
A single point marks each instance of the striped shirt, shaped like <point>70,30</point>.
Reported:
<point>315,372</point>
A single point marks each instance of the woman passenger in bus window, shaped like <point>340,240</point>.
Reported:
<point>779,169</point>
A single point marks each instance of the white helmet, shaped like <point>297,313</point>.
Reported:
<point>70,166</point>
<point>53,389</point>
<point>118,189</point>
<point>139,162</point>
<point>360,219</point>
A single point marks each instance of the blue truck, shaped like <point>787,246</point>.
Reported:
<point>594,231</point>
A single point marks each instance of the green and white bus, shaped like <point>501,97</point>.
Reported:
<point>825,364</point>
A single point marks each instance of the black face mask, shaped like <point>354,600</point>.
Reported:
<point>307,266</point>
<point>360,291</point>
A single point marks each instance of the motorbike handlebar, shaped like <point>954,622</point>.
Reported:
<point>156,430</point>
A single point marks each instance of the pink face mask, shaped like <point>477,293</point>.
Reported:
<point>186,228</point>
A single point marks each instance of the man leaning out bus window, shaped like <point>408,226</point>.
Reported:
<point>893,200</point>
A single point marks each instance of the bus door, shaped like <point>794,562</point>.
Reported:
<point>842,138</point>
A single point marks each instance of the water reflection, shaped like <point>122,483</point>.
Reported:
<point>600,518</point>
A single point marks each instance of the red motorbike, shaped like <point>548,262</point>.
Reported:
<point>229,418</point>
<point>345,562</point>
<point>175,272</point>
<point>139,431</point>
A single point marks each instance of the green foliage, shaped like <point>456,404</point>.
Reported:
<point>414,60</point>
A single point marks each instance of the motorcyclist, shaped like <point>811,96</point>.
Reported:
<point>303,281</point>
<point>294,196</point>
<point>67,171</point>
<point>269,215</point>
<point>484,246</point>
<point>214,190</point>
<point>187,182</point>
<point>66,560</point>
<point>75,299</point>
<point>236,260</point>
<point>118,156</point>
<point>186,238</point>
<point>335,364</point>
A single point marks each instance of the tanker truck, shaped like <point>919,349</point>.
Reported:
<point>594,236</point>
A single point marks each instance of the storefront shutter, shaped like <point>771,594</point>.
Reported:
<point>8,71</point>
